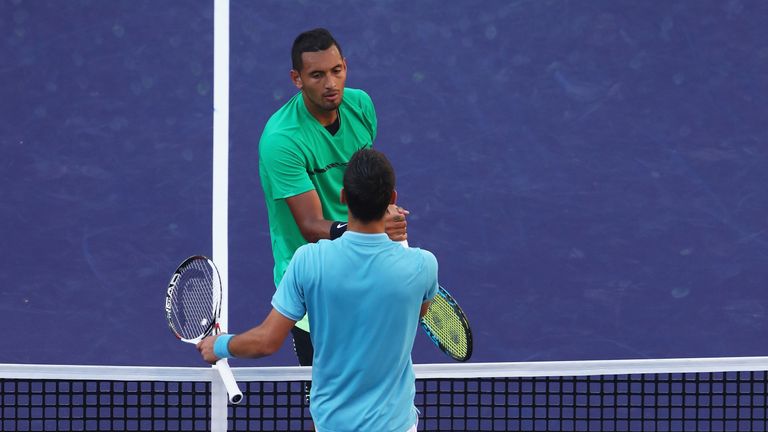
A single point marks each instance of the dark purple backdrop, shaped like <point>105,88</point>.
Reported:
<point>591,175</point>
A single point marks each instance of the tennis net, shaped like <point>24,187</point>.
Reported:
<point>716,394</point>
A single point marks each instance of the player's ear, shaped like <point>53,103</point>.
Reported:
<point>296,78</point>
<point>393,198</point>
<point>343,196</point>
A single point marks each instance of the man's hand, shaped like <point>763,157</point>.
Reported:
<point>395,224</point>
<point>205,347</point>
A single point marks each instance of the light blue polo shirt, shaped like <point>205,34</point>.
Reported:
<point>363,294</point>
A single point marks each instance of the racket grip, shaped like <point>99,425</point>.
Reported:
<point>233,391</point>
<point>404,243</point>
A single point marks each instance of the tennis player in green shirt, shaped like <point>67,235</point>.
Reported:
<point>303,152</point>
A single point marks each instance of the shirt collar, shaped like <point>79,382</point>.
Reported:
<point>359,237</point>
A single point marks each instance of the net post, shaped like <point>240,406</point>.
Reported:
<point>219,403</point>
<point>220,199</point>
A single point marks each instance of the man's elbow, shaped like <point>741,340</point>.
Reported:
<point>311,238</point>
<point>309,234</point>
<point>256,345</point>
<point>271,346</point>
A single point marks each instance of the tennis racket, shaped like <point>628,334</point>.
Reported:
<point>192,307</point>
<point>447,326</point>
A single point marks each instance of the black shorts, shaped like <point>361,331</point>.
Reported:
<point>302,345</point>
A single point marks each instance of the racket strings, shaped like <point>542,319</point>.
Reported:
<point>193,304</point>
<point>447,327</point>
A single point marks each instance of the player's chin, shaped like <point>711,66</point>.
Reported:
<point>331,106</point>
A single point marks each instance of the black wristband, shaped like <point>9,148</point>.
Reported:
<point>337,229</point>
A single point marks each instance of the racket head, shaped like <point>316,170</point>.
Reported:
<point>447,325</point>
<point>193,299</point>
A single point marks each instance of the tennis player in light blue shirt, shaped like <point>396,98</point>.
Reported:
<point>363,295</point>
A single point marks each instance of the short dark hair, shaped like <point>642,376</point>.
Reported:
<point>368,184</point>
<point>315,40</point>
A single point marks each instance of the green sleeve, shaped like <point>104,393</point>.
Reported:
<point>369,113</point>
<point>285,167</point>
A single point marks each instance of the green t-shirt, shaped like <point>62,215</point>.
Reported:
<point>297,154</point>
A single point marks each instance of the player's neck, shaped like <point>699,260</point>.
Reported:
<point>324,117</point>
<point>374,227</point>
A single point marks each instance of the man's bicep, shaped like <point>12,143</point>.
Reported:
<point>278,325</point>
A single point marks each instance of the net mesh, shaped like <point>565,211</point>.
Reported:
<point>99,405</point>
<point>461,397</point>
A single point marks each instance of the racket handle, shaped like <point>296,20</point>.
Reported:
<point>404,243</point>
<point>233,391</point>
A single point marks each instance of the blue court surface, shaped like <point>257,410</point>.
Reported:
<point>592,175</point>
